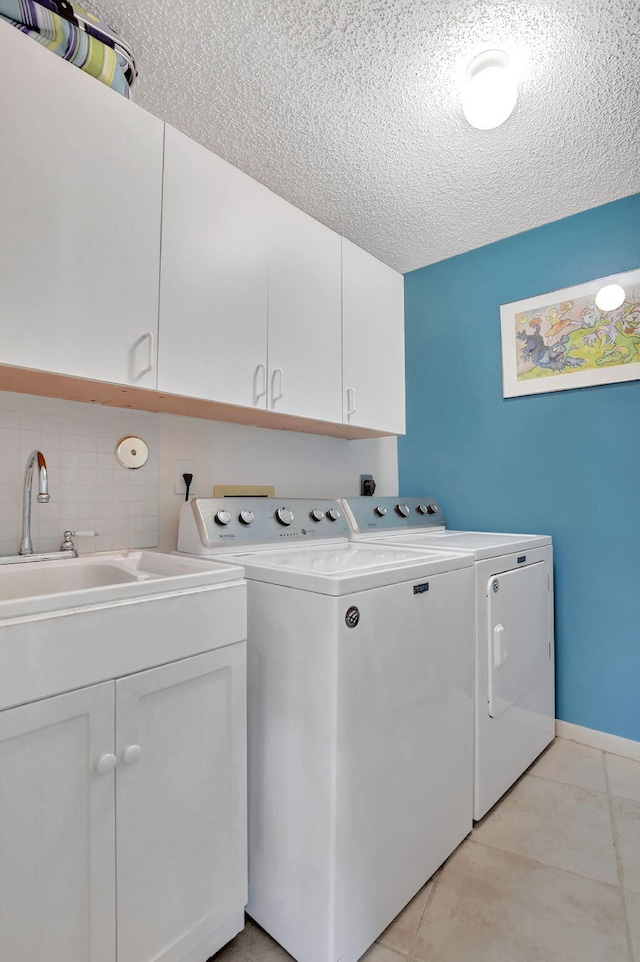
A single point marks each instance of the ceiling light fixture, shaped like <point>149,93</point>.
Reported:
<point>610,297</point>
<point>491,92</point>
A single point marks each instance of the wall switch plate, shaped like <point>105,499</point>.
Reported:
<point>184,467</point>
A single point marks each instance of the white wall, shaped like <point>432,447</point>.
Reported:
<point>89,489</point>
<point>132,509</point>
<point>298,465</point>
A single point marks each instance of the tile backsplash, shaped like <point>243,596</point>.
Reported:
<point>89,489</point>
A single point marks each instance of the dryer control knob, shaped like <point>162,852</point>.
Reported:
<point>422,509</point>
<point>333,514</point>
<point>316,514</point>
<point>403,510</point>
<point>222,517</point>
<point>380,510</point>
<point>246,517</point>
<point>284,516</point>
<point>432,508</point>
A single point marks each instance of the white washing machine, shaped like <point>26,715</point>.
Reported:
<point>360,693</point>
<point>514,651</point>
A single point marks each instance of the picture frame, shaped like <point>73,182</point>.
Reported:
<point>562,340</point>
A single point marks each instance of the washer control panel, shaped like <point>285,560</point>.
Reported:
<point>392,514</point>
<point>208,524</point>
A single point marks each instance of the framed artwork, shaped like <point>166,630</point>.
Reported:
<point>563,340</point>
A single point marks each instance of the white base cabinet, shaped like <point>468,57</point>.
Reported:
<point>155,813</point>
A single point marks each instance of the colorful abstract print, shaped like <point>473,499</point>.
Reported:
<point>72,33</point>
<point>575,335</point>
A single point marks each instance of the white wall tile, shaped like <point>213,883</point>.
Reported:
<point>89,489</point>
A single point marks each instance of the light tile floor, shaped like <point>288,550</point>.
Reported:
<point>551,874</point>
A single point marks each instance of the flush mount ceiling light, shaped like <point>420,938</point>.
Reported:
<point>491,92</point>
<point>610,297</point>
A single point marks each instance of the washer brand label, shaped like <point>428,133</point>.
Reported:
<point>521,559</point>
<point>227,536</point>
<point>352,616</point>
<point>420,589</point>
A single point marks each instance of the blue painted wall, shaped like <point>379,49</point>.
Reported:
<point>565,463</point>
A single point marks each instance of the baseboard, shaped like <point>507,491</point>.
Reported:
<point>626,747</point>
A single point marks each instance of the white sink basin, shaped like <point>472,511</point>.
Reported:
<point>37,587</point>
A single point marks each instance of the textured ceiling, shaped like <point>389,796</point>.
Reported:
<point>350,109</point>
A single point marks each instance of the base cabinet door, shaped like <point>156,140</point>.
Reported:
<point>372,342</point>
<point>81,174</point>
<point>181,804</point>
<point>57,829</point>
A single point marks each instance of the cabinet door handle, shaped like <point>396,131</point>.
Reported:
<point>147,336</point>
<point>277,373</point>
<point>106,764</point>
<point>257,394</point>
<point>351,401</point>
<point>131,754</point>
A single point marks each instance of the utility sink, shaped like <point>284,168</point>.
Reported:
<point>38,587</point>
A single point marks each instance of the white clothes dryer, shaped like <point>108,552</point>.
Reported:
<point>360,717</point>
<point>514,676</point>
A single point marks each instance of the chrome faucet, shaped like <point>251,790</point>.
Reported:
<point>26,546</point>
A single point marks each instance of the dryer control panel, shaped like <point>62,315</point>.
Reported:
<point>208,525</point>
<point>392,515</point>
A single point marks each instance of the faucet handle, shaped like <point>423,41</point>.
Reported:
<point>67,543</point>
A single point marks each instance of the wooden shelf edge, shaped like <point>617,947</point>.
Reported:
<point>20,380</point>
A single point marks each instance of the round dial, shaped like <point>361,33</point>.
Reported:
<point>284,516</point>
<point>333,514</point>
<point>380,510</point>
<point>432,508</point>
<point>422,509</point>
<point>403,510</point>
<point>316,514</point>
<point>222,517</point>
<point>246,517</point>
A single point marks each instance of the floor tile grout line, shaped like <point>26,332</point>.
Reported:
<point>618,857</point>
<point>540,861</point>
<point>559,781</point>
<point>435,879</point>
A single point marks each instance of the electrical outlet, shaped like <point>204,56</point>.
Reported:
<point>184,467</point>
<point>367,484</point>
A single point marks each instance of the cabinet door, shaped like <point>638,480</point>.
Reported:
<point>213,288</point>
<point>81,170</point>
<point>305,326</point>
<point>181,805</point>
<point>57,841</point>
<point>373,342</point>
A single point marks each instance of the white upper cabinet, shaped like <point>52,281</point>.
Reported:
<point>305,325</point>
<point>372,342</point>
<point>81,174</point>
<point>213,287</point>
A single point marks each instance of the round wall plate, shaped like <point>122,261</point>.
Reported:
<point>132,452</point>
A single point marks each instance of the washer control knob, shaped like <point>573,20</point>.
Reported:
<point>380,510</point>
<point>222,517</point>
<point>333,514</point>
<point>284,516</point>
<point>432,508</point>
<point>422,509</point>
<point>316,514</point>
<point>403,510</point>
<point>246,517</point>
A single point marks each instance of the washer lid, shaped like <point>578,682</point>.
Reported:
<point>342,568</point>
<point>483,544</point>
